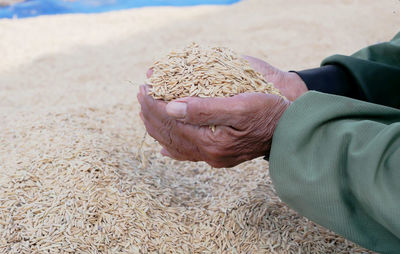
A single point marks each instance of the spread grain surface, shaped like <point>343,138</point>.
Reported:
<point>70,180</point>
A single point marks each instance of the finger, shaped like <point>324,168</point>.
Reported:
<point>228,111</point>
<point>153,128</point>
<point>261,66</point>
<point>140,94</point>
<point>143,90</point>
<point>146,89</point>
<point>172,132</point>
<point>203,111</point>
<point>252,59</point>
<point>150,106</point>
<point>149,72</point>
<point>165,152</point>
<point>169,133</point>
<point>229,161</point>
<point>183,141</point>
<point>161,127</point>
<point>176,135</point>
<point>173,155</point>
<point>161,122</point>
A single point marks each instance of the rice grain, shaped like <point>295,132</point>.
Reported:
<point>205,72</point>
<point>73,184</point>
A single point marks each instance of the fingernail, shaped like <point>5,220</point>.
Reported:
<point>176,109</point>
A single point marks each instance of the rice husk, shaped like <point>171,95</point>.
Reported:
<point>205,72</point>
<point>80,189</point>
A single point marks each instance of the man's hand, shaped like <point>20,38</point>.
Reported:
<point>289,83</point>
<point>244,123</point>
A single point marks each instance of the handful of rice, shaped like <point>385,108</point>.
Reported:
<point>205,72</point>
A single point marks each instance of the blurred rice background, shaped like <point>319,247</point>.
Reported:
<point>67,108</point>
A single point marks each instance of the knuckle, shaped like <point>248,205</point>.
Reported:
<point>199,116</point>
<point>214,153</point>
<point>246,157</point>
<point>167,125</point>
<point>149,127</point>
<point>152,134</point>
<point>219,146</point>
<point>202,110</point>
<point>166,138</point>
<point>220,137</point>
<point>166,131</point>
<point>216,164</point>
<point>222,164</point>
<point>209,138</point>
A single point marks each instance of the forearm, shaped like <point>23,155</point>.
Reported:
<point>336,161</point>
<point>371,74</point>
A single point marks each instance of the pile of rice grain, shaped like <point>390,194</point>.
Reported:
<point>70,183</point>
<point>205,72</point>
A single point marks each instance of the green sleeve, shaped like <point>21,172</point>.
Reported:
<point>336,161</point>
<point>376,70</point>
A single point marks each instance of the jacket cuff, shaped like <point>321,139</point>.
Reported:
<point>331,79</point>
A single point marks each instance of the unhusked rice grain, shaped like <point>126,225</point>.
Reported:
<point>205,72</point>
<point>70,183</point>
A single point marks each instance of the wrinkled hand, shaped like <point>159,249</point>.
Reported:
<point>245,126</point>
<point>289,83</point>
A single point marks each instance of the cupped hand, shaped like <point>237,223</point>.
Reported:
<point>244,123</point>
<point>289,83</point>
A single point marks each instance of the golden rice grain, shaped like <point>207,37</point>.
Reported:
<point>205,72</point>
<point>70,182</point>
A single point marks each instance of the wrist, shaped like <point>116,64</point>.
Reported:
<point>274,117</point>
<point>295,86</point>
<point>332,79</point>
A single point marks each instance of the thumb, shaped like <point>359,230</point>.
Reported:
<point>210,111</point>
